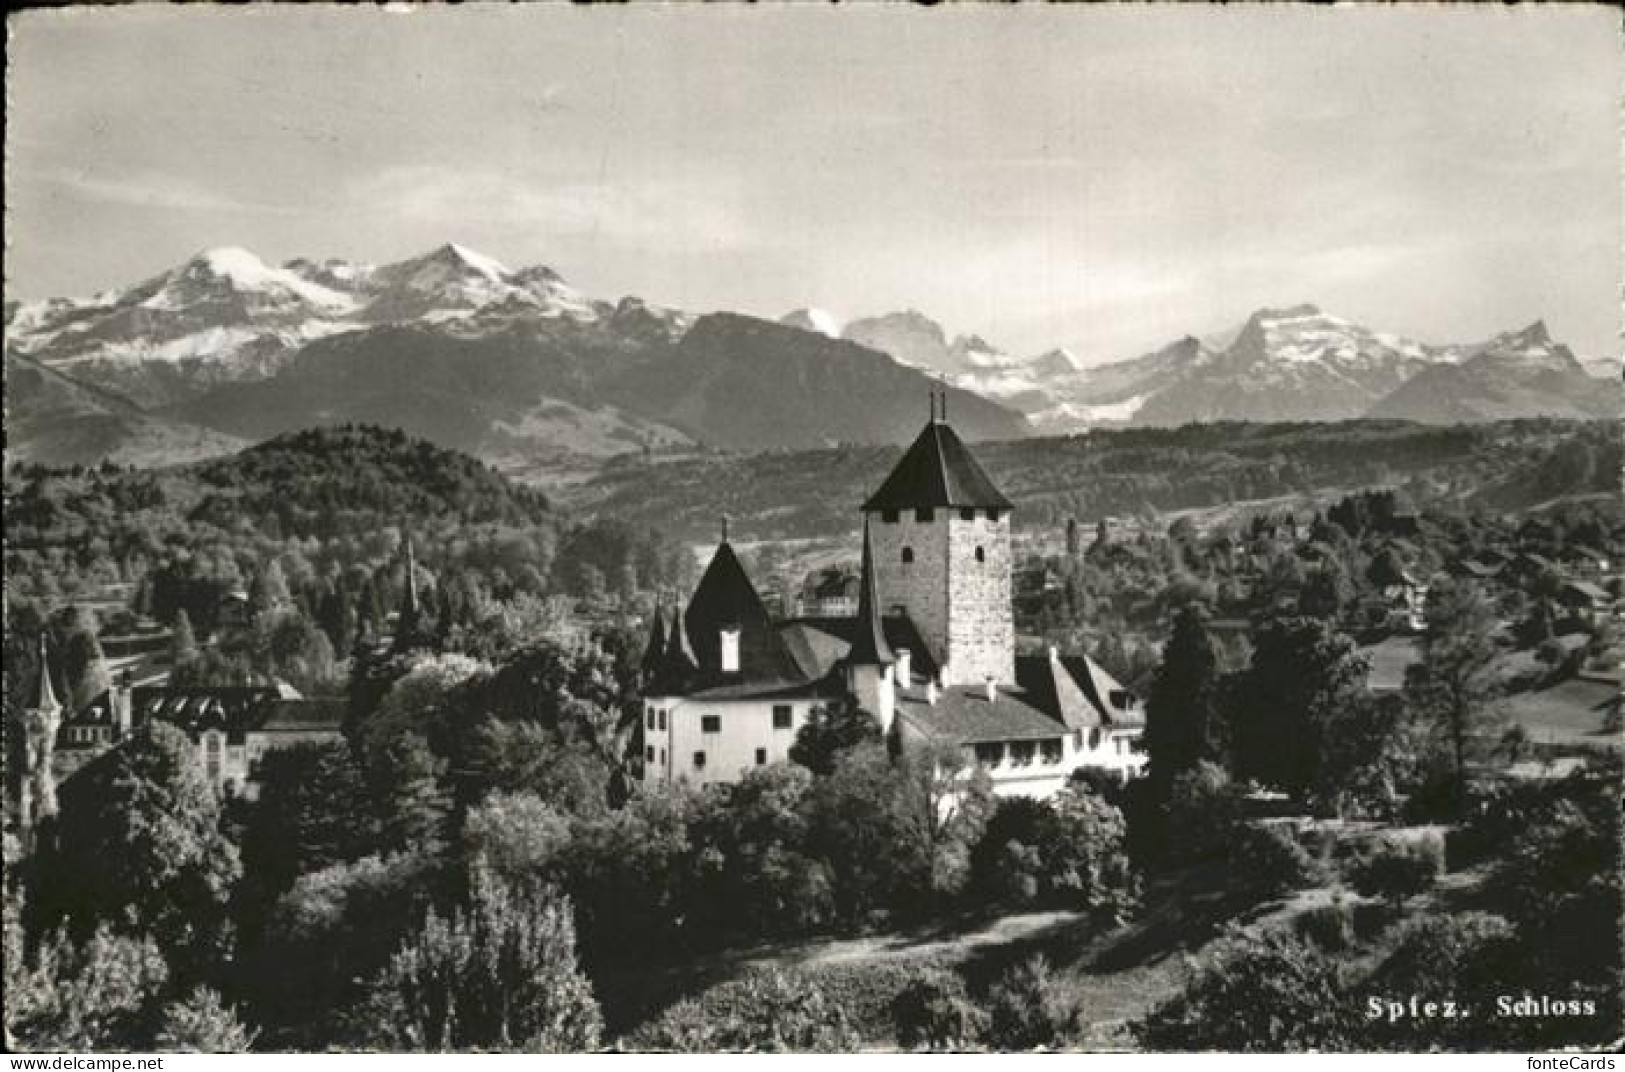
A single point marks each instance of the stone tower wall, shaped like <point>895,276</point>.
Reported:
<point>981,618</point>
<point>921,587</point>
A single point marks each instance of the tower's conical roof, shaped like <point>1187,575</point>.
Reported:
<point>655,651</point>
<point>937,470</point>
<point>869,647</point>
<point>44,693</point>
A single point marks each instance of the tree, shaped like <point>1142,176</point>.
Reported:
<point>1302,673</point>
<point>935,1012</point>
<point>182,641</point>
<point>312,812</point>
<point>1027,1008</point>
<point>1450,686</point>
<point>756,876</point>
<point>202,1024</point>
<point>1255,991</point>
<point>1182,720</point>
<point>501,975</point>
<point>84,666</point>
<point>95,995</point>
<point>137,844</point>
<point>829,732</point>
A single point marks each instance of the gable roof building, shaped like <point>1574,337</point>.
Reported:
<point>929,652</point>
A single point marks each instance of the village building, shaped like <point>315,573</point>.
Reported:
<point>232,726</point>
<point>930,652</point>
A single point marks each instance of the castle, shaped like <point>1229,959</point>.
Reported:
<point>930,653</point>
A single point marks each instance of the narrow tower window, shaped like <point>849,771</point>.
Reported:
<point>925,513</point>
<point>908,555</point>
<point>730,651</point>
<point>981,555</point>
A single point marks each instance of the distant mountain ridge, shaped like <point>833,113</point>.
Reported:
<point>1294,363</point>
<point>527,372</point>
<point>514,365</point>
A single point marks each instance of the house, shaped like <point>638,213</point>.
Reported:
<point>929,651</point>
<point>1586,599</point>
<point>831,593</point>
<point>1407,603</point>
<point>232,726</point>
<point>234,611</point>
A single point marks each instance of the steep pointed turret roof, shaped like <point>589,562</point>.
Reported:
<point>44,693</point>
<point>655,652</point>
<point>937,470</point>
<point>679,653</point>
<point>869,647</point>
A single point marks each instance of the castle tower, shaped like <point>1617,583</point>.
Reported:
<point>42,718</point>
<point>941,538</point>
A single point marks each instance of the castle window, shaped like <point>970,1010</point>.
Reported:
<point>710,723</point>
<point>651,718</point>
<point>761,757</point>
<point>908,555</point>
<point>699,760</point>
<point>967,513</point>
<point>662,718</point>
<point>1051,750</point>
<point>990,755</point>
<point>781,716</point>
<point>889,516</point>
<point>981,555</point>
<point>925,513</point>
<point>650,753</point>
<point>993,513</point>
<point>1021,753</point>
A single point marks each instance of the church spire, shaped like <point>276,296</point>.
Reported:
<point>869,647</point>
<point>45,694</point>
<point>409,620</point>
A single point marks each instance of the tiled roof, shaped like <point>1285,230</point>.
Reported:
<point>1051,697</point>
<point>937,470</point>
<point>324,714</point>
<point>726,599</point>
<point>964,715</point>
<point>818,644</point>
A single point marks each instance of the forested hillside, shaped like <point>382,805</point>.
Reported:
<point>1129,472</point>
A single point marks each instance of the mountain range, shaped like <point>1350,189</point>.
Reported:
<point>1292,364</point>
<point>528,373</point>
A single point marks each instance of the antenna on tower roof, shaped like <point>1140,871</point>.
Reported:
<point>724,528</point>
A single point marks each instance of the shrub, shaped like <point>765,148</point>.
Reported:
<point>1397,870</point>
<point>503,976</point>
<point>1469,957</point>
<point>1268,859</point>
<point>1204,811</point>
<point>201,1024</point>
<point>1256,991</point>
<point>1328,927</point>
<point>1026,1008</point>
<point>935,1012</point>
<point>767,1011</point>
<point>867,991</point>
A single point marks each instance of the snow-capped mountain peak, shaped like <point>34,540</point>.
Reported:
<point>1057,362</point>
<point>820,321</point>
<point>231,271</point>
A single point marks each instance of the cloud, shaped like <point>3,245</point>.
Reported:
<point>158,191</point>
<point>651,212</point>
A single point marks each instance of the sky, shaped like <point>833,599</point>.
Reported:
<point>1108,178</point>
